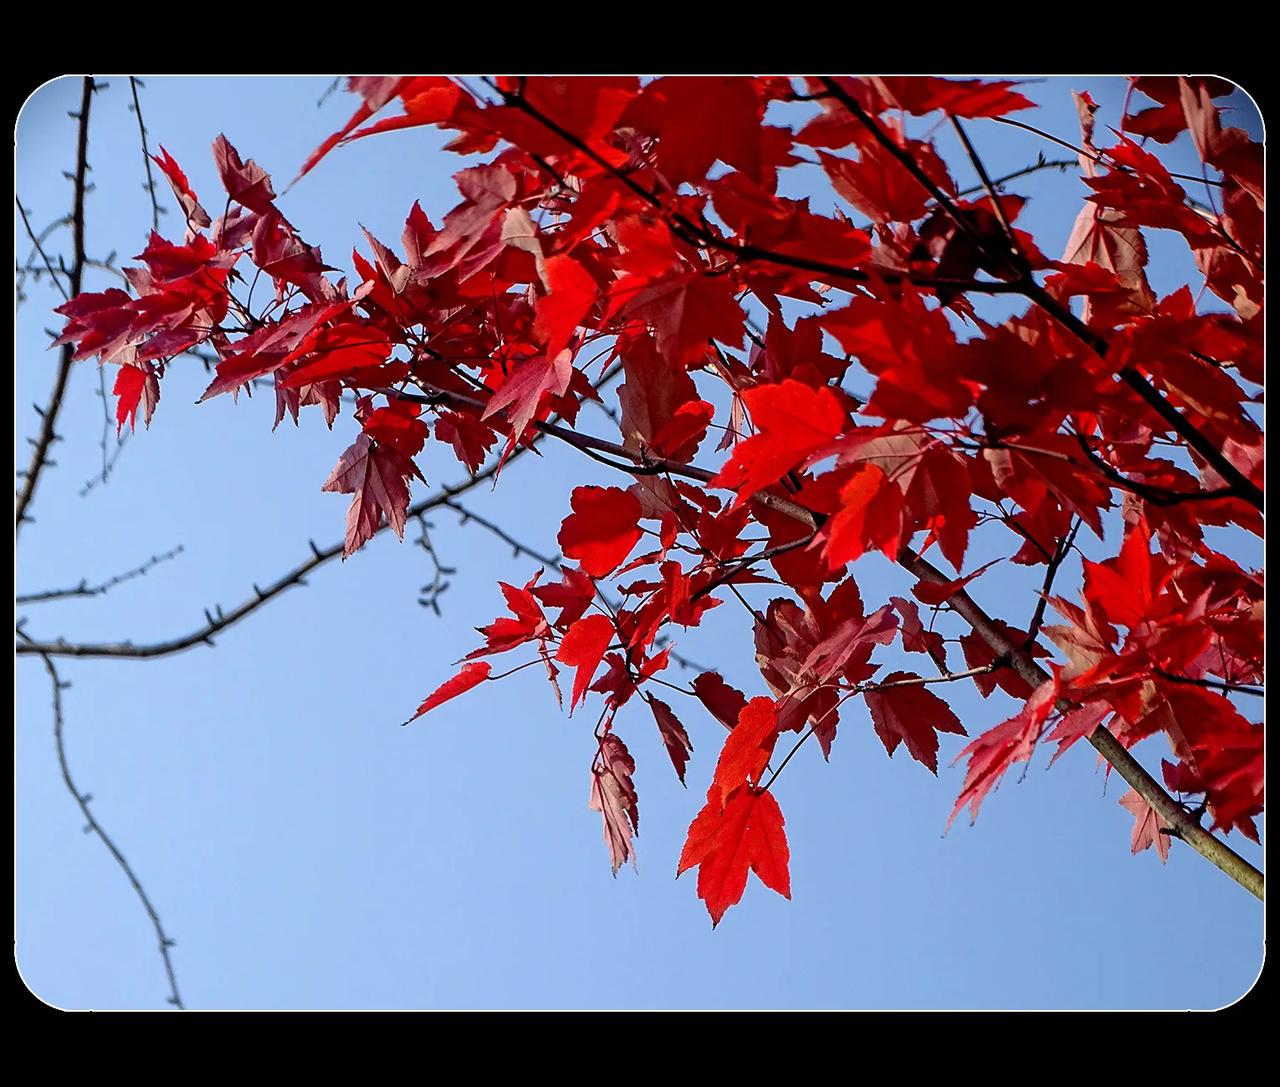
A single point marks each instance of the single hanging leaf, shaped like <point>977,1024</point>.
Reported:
<point>725,841</point>
<point>1147,826</point>
<point>614,797</point>
<point>583,648</point>
<point>674,736</point>
<point>911,714</point>
<point>471,675</point>
<point>378,476</point>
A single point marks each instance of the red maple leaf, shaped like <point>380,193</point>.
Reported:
<point>727,839</point>
<point>602,530</point>
<point>792,420</point>
<point>471,675</point>
<point>583,648</point>
<point>911,714</point>
<point>674,736</point>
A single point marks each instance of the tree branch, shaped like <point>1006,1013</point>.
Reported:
<point>85,589</point>
<point>49,417</point>
<point>92,825</point>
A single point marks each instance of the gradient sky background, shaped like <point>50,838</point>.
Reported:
<point>305,851</point>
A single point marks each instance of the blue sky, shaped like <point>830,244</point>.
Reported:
<point>305,851</point>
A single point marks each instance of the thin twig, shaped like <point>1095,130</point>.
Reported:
<point>146,155</point>
<point>85,589</point>
<point>92,825</point>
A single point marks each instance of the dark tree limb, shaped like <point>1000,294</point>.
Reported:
<point>49,417</point>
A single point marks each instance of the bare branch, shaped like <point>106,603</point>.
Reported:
<point>93,826</point>
<point>85,589</point>
<point>49,416</point>
<point>146,155</point>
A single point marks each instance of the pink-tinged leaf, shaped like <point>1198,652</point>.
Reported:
<point>614,796</point>
<point>522,392</point>
<point>686,310</point>
<point>602,530</point>
<point>583,647</point>
<point>915,638</point>
<point>471,675</point>
<point>1075,725</point>
<point>377,475</point>
<point>1147,826</point>
<point>726,840</point>
<point>997,749</point>
<point>914,715</point>
<point>674,736</point>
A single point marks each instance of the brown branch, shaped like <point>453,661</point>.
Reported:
<point>1216,851</point>
<point>1064,549</point>
<point>85,589</point>
<point>49,417</point>
<point>1213,849</point>
<point>92,825</point>
<point>216,623</point>
<point>37,243</point>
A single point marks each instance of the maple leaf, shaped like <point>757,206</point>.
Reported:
<point>959,97</point>
<point>728,839</point>
<point>869,518</point>
<point>911,714</point>
<point>747,750</point>
<point>724,703</point>
<point>677,107</point>
<point>614,797</point>
<point>792,420</point>
<point>1147,826</point>
<point>246,183</point>
<point>377,475</point>
<point>135,385</point>
<point>686,309</point>
<point>525,388</point>
<point>195,214</point>
<point>674,736</point>
<point>470,438</point>
<point>602,529</point>
<point>529,624</point>
<point>471,675</point>
<point>571,292</point>
<point>996,750</point>
<point>583,647</point>
<point>652,394</point>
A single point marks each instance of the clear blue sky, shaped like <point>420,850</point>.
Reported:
<point>305,851</point>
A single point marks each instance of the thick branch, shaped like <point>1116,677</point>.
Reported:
<point>49,417</point>
<point>1188,830</point>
